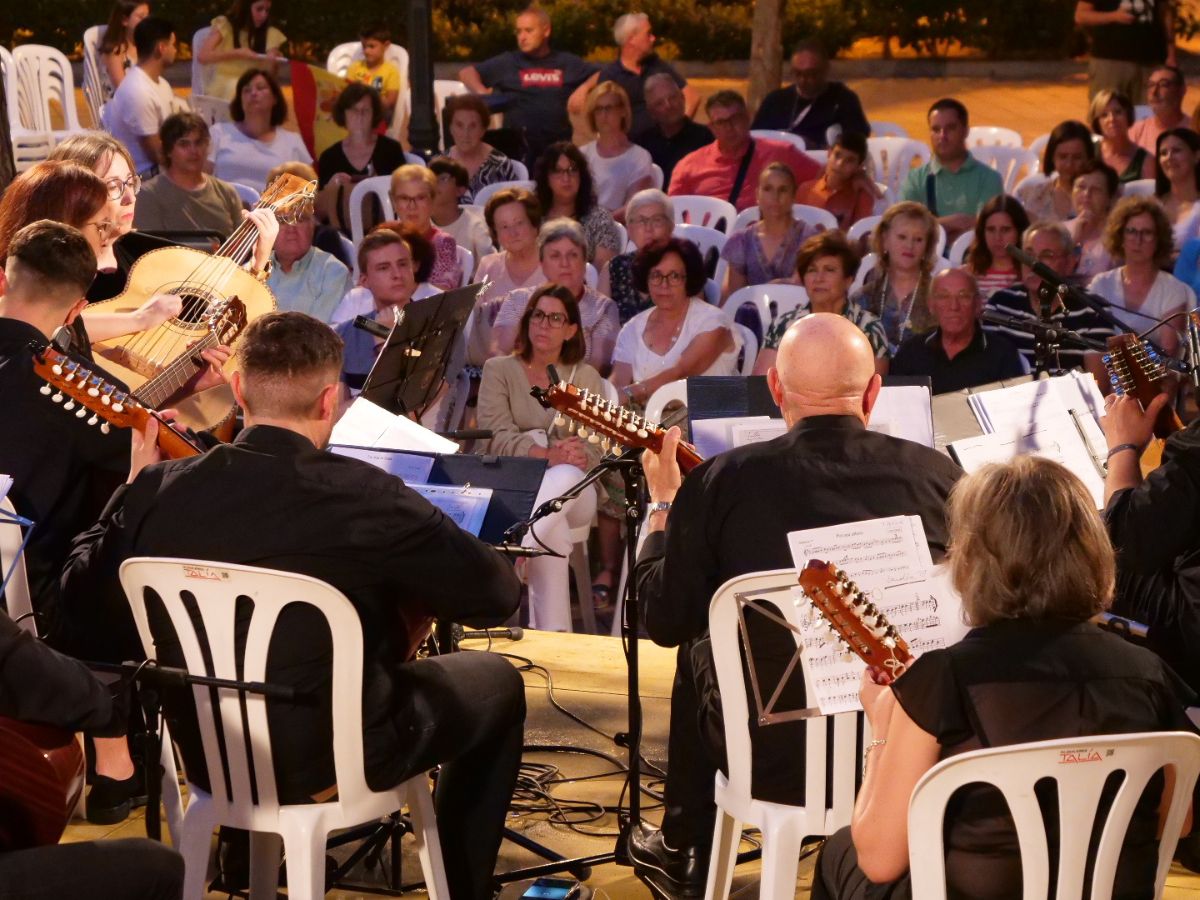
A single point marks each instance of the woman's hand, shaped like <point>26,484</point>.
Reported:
<point>568,452</point>
<point>157,310</point>
<point>268,229</point>
<point>878,701</point>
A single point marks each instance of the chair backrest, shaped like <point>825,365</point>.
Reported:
<point>591,276</point>
<point>868,263</point>
<point>821,219</point>
<point>521,171</point>
<point>887,129</point>
<point>1080,768</point>
<point>1141,111</point>
<point>8,69</point>
<point>1038,145</point>
<point>887,197</point>
<point>93,87</point>
<point>485,193</point>
<point>44,76</point>
<point>863,226</point>
<point>201,73</point>
<point>894,156</point>
<point>993,136</point>
<point>248,195</point>
<point>818,156</point>
<point>30,147</point>
<point>443,89</point>
<point>959,248</point>
<point>413,159</point>
<point>380,186</point>
<point>724,623</point>
<point>12,564</point>
<point>466,262</point>
<point>671,392</point>
<point>341,56</point>
<point>1142,187</point>
<point>787,137</point>
<point>749,348</point>
<point>211,109</point>
<point>693,209</point>
<point>770,300</point>
<point>656,173</point>
<point>1029,181</point>
<point>710,242</point>
<point>211,592</point>
<point>1013,163</point>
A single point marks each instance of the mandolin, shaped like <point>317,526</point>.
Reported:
<point>147,360</point>
<point>1135,368</point>
<point>599,421</point>
<point>41,778</point>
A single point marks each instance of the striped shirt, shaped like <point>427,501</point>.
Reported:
<point>1015,302</point>
<point>866,321</point>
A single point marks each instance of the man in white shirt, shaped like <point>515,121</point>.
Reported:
<point>144,99</point>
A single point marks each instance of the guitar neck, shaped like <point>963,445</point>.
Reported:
<point>155,392</point>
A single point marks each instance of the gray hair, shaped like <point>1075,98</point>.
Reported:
<point>557,230</point>
<point>1058,229</point>
<point>650,197</point>
<point>656,80</point>
<point>958,270</point>
<point>625,25</point>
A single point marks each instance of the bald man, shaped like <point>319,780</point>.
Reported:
<point>731,516</point>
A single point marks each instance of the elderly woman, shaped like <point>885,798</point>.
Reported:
<point>249,147</point>
<point>412,191</point>
<point>1111,114</point>
<point>843,188</point>
<point>550,334</point>
<point>1093,192</point>
<point>562,249</point>
<point>765,251</point>
<point>468,116</point>
<point>896,291</point>
<point>650,218</point>
<point>1138,236</point>
<point>1177,181</point>
<point>621,168</point>
<point>1001,221</point>
<point>565,188</point>
<point>826,265</point>
<point>1070,145</point>
<point>1028,592</point>
<point>239,40</point>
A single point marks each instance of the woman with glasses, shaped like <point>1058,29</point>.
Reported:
<point>1139,237</point>
<point>765,251</point>
<point>621,168</point>
<point>1177,181</point>
<point>650,218</point>
<point>412,192</point>
<point>565,188</point>
<point>550,334</point>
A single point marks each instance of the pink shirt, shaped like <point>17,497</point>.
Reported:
<point>1145,133</point>
<point>709,173</point>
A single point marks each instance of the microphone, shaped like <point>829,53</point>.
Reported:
<point>371,327</point>
<point>518,550</point>
<point>489,634</point>
<point>1034,264</point>
<point>1120,625</point>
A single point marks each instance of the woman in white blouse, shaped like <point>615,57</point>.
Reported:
<point>620,167</point>
<point>245,150</point>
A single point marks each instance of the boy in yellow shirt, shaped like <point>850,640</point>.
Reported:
<point>374,70</point>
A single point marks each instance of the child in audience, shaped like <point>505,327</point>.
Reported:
<point>842,189</point>
<point>373,69</point>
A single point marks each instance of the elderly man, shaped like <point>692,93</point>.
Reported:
<point>672,134</point>
<point>1164,91</point>
<point>305,278</point>
<point>813,107</point>
<point>1127,39</point>
<point>953,185</point>
<point>535,82</point>
<point>635,64</point>
<point>957,354</point>
<point>731,516</point>
<point>728,168</point>
<point>1051,243</point>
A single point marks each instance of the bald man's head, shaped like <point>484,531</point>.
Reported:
<point>825,366</point>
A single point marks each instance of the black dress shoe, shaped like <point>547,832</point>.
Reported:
<point>680,872</point>
<point>109,801</point>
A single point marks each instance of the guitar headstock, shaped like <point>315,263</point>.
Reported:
<point>82,390</point>
<point>290,197</point>
<point>226,319</point>
<point>862,628</point>
<point>1135,368</point>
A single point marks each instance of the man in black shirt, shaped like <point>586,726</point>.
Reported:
<point>1128,40</point>
<point>814,108</point>
<point>958,353</point>
<point>674,134</point>
<point>731,516</point>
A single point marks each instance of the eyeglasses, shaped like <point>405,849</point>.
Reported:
<point>648,221</point>
<point>117,187</point>
<point>552,320</point>
<point>1162,85</point>
<point>608,108</point>
<point>1139,234</point>
<point>727,121</point>
<point>104,228</point>
<point>566,173</point>
<point>960,297</point>
<point>668,278</point>
<point>409,199</point>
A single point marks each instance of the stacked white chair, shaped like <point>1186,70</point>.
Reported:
<point>1013,163</point>
<point>893,157</point>
<point>43,76</point>
<point>993,136</point>
<point>93,84</point>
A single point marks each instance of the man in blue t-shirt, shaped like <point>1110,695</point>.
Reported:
<point>535,82</point>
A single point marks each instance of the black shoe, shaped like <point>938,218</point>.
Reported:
<point>680,872</point>
<point>1187,854</point>
<point>110,801</point>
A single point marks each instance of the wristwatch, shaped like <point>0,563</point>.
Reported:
<point>660,506</point>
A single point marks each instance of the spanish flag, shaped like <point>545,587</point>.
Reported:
<point>314,93</point>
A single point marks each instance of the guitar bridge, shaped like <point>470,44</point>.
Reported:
<point>132,361</point>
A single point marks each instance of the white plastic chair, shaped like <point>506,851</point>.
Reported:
<point>709,241</point>
<point>749,350</point>
<point>770,300</point>
<point>485,193</point>
<point>466,262</point>
<point>818,156</point>
<point>958,250</point>
<point>520,170</point>
<point>893,157</point>
<point>1142,187</point>
<point>671,392</point>
<point>29,146</point>
<point>993,136</point>
<point>622,234</point>
<point>822,219</point>
<point>1142,111</point>
<point>413,159</point>
<point>44,76</point>
<point>887,129</point>
<point>657,173</point>
<point>248,757</point>
<point>93,86</point>
<point>783,827</point>
<point>1016,770</point>
<point>342,55</point>
<point>1038,145</point>
<point>887,199</point>
<point>380,186</point>
<point>591,276</point>
<point>211,109</point>
<point>443,89</point>
<point>1013,163</point>
<point>787,137</point>
<point>1029,181</point>
<point>863,226</point>
<point>693,209</point>
<point>248,195</point>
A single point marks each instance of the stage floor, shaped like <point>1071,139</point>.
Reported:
<point>589,680</point>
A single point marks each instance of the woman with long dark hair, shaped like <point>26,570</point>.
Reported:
<point>1001,221</point>
<point>242,39</point>
<point>1070,145</point>
<point>565,188</point>
<point>116,50</point>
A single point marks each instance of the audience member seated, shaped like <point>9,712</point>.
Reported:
<point>1138,237</point>
<point>1001,222</point>
<point>550,334</point>
<point>672,134</point>
<point>713,170</point>
<point>953,184</point>
<point>1111,115</point>
<point>765,250</point>
<point>1069,147</point>
<point>327,237</point>
<point>1051,244</point>
<point>534,82</point>
<point>896,291</point>
<point>468,116</point>
<point>305,278</point>
<point>1177,182</point>
<point>651,220</point>
<point>562,249</point>
<point>1164,93</point>
<point>144,100</point>
<point>843,189</point>
<point>957,354</point>
<point>183,197</point>
<point>412,192</point>
<point>619,167</point>
<point>826,265</point>
<point>374,70</point>
<point>565,187</point>
<point>680,335</point>
<point>1028,591</point>
<point>813,107</point>
<point>1093,193</point>
<point>362,153</point>
<point>246,149</point>
<point>239,41</point>
<point>116,49</point>
<point>466,226</point>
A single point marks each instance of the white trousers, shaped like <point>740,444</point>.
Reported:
<point>548,577</point>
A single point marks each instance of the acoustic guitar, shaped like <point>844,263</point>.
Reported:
<point>41,778</point>
<point>148,361</point>
<point>1135,368</point>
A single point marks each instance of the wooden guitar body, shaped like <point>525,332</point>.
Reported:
<point>41,777</point>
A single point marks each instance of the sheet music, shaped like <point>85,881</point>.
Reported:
<point>757,431</point>
<point>904,411</point>
<point>874,552</point>
<point>411,468</point>
<point>467,506</point>
<point>1020,409</point>
<point>364,424</point>
<point>713,436</point>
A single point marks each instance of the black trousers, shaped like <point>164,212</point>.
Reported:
<point>838,877</point>
<point>131,869</point>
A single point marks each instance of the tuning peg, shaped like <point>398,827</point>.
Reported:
<point>45,390</point>
<point>56,369</point>
<point>104,429</point>
<point>58,397</point>
<point>593,438</point>
<point>605,444</point>
<point>560,420</point>
<point>93,420</point>
<point>582,432</point>
<point>118,407</point>
<point>81,412</point>
<point>70,404</point>
<point>106,399</point>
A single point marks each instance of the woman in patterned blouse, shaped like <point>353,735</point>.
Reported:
<point>565,188</point>
<point>651,220</point>
<point>485,164</point>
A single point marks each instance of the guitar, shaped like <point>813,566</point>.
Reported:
<point>598,421</point>
<point>146,360</point>
<point>81,390</point>
<point>860,626</point>
<point>1135,368</point>
<point>41,778</point>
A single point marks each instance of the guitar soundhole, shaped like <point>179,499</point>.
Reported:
<point>196,306</point>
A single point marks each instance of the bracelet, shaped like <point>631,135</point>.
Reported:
<point>878,742</point>
<point>1121,448</point>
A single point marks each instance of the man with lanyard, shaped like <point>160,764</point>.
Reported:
<point>814,108</point>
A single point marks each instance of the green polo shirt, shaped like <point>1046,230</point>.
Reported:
<point>964,191</point>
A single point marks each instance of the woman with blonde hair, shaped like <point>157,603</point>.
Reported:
<point>412,190</point>
<point>620,167</point>
<point>1110,116</point>
<point>896,291</point>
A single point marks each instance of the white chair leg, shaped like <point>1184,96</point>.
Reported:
<point>780,860</point>
<point>172,797</point>
<point>195,845</point>
<point>429,845</point>
<point>265,850</point>
<point>727,835</point>
<point>304,852</point>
